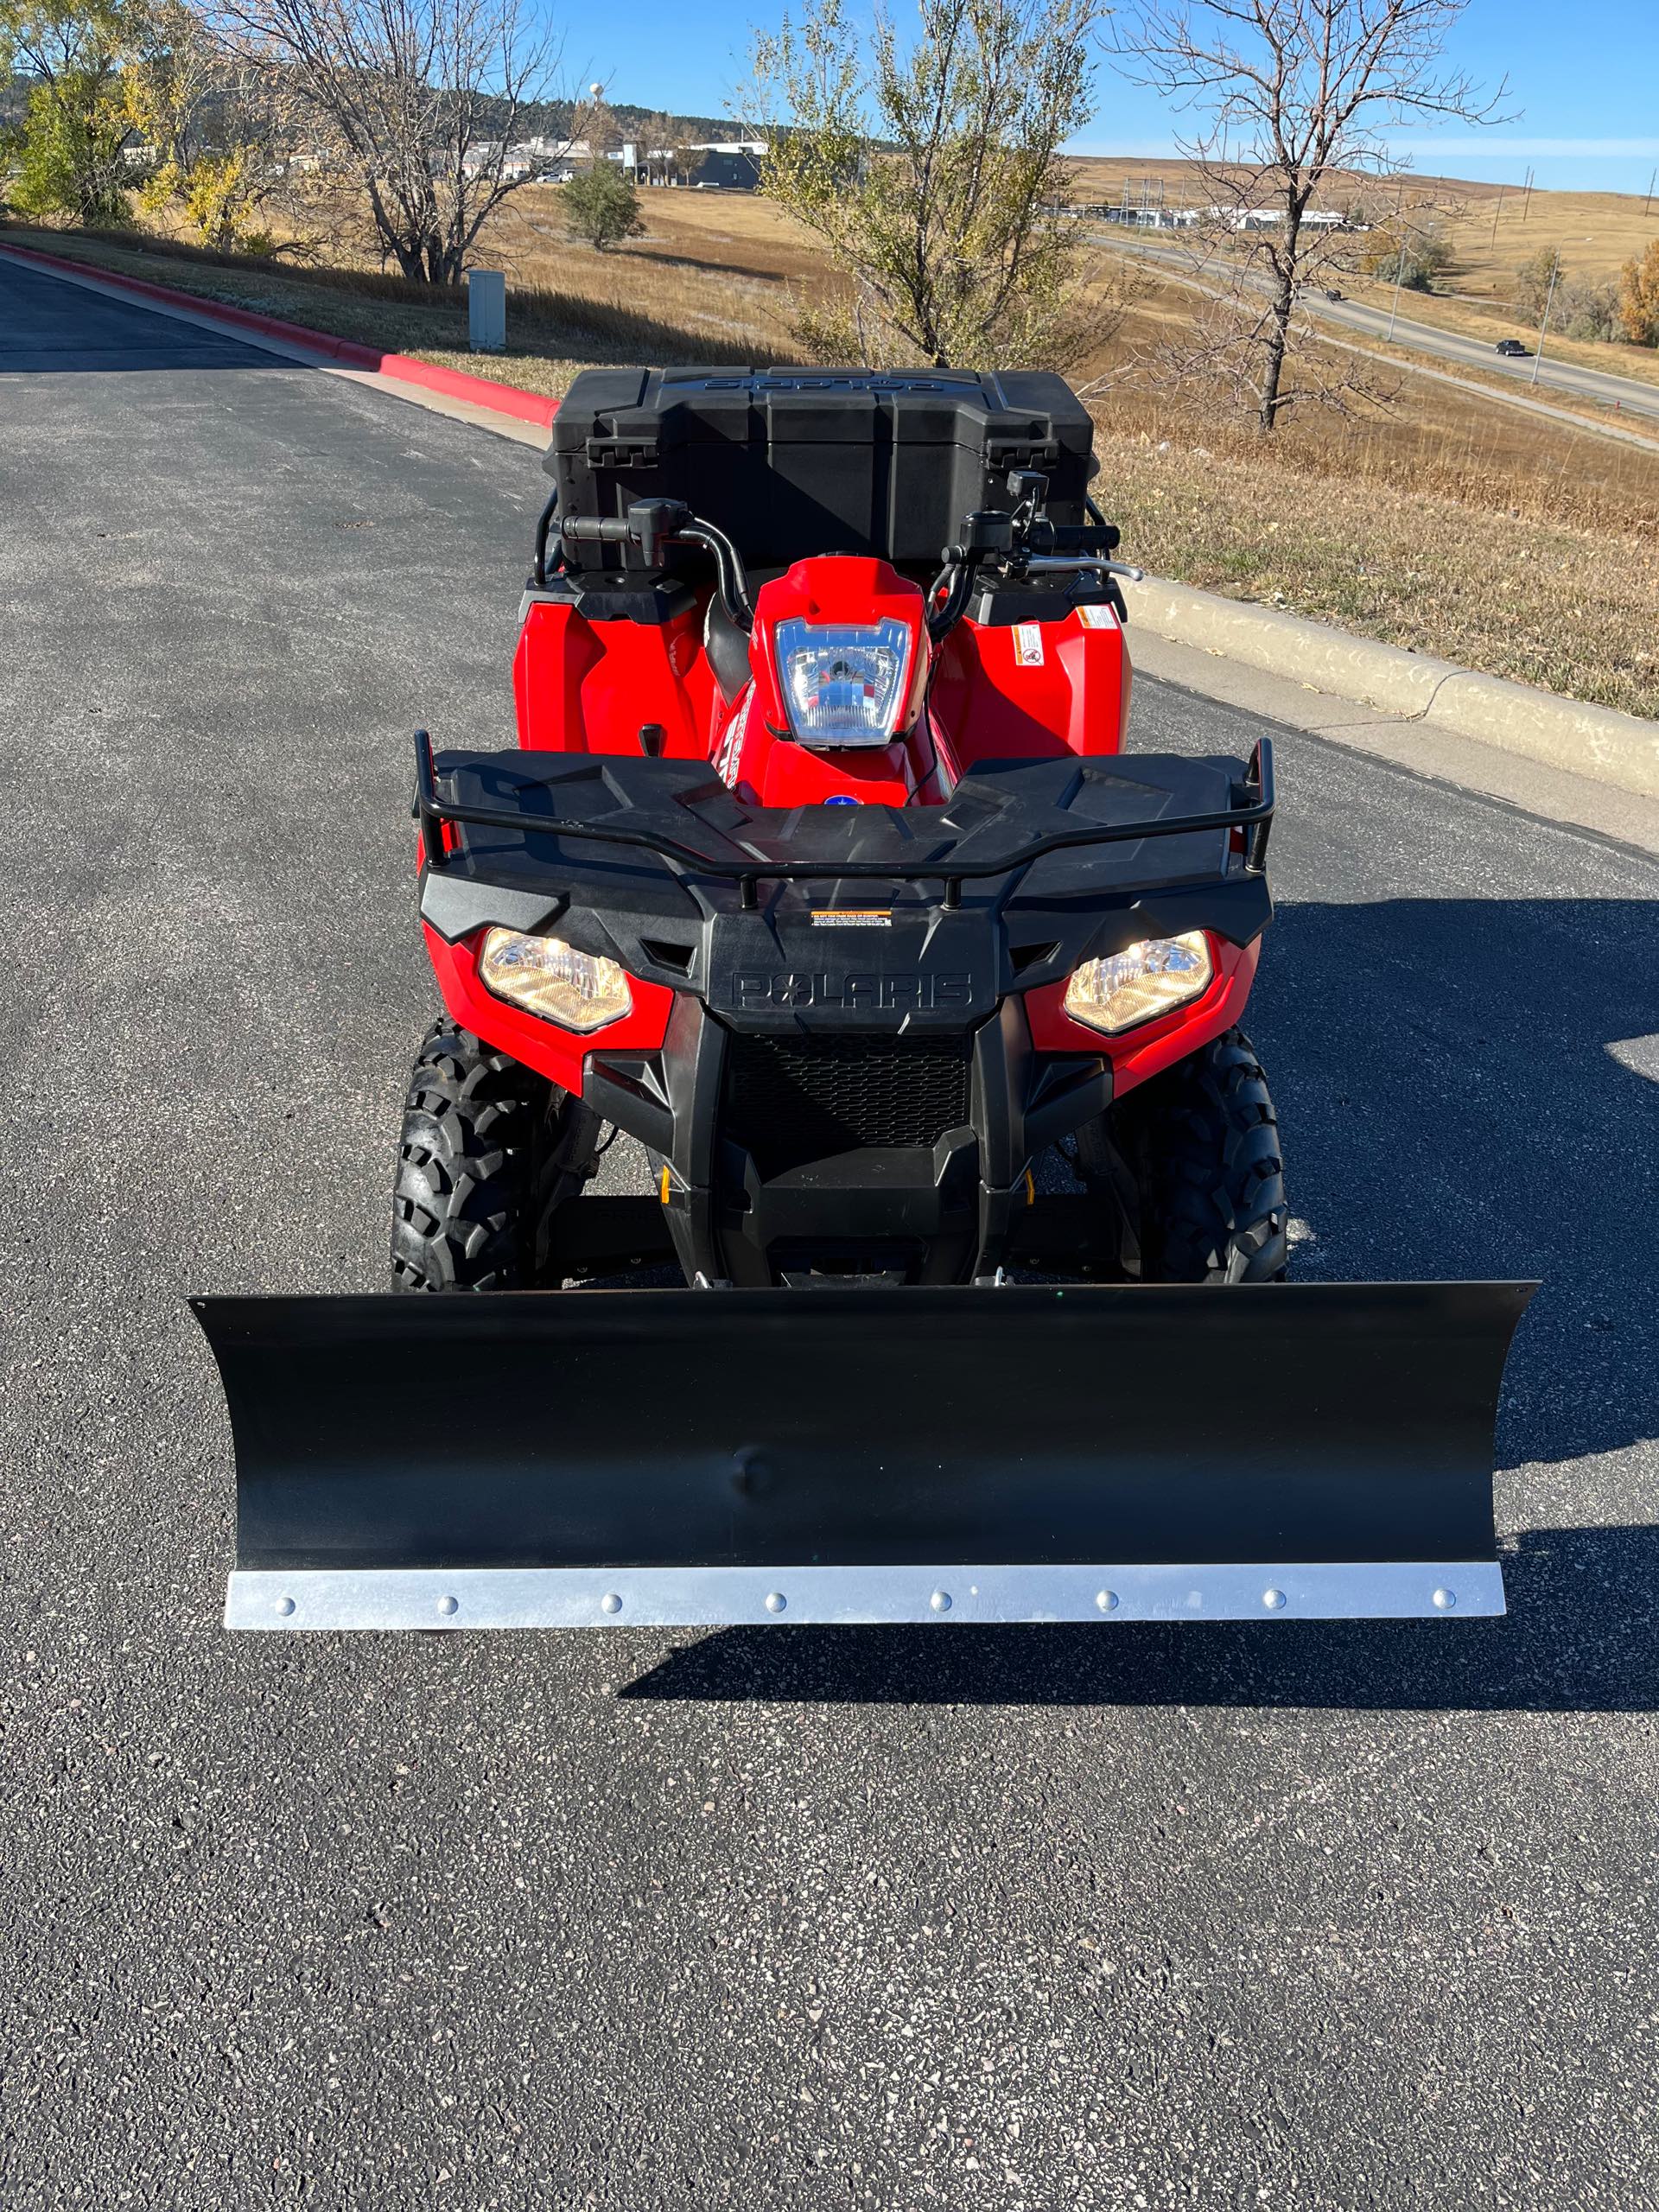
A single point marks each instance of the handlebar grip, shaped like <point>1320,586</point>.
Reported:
<point>593,530</point>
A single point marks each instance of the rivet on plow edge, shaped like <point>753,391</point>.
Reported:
<point>610,1603</point>
<point>448,1605</point>
<point>1107,1600</point>
<point>940,1601</point>
<point>1444,1600</point>
<point>1273,1599</point>
<point>284,1606</point>
<point>775,1601</point>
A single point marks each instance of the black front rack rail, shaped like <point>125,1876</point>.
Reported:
<point>1254,816</point>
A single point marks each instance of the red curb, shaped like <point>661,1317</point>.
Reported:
<point>454,384</point>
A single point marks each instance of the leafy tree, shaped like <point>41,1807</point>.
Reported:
<point>601,206</point>
<point>930,168</point>
<point>1639,297</point>
<point>1532,280</point>
<point>68,147</point>
<point>210,132</point>
<point>1414,258</point>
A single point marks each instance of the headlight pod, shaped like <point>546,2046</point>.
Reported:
<point>844,683</point>
<point>1141,983</point>
<point>548,977</point>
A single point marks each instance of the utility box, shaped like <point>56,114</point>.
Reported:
<point>487,309</point>
<point>792,461</point>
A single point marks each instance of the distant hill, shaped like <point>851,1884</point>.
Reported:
<point>555,119</point>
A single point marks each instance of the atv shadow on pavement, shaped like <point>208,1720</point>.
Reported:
<point>1581,1637</point>
<point>1465,1093</point>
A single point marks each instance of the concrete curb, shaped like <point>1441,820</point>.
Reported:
<point>455,384</point>
<point>1599,741</point>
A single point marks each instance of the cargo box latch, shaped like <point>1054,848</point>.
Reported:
<point>621,453</point>
<point>1020,453</point>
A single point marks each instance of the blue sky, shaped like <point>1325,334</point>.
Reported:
<point>1584,80</point>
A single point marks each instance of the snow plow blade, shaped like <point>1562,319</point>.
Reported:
<point>676,1457</point>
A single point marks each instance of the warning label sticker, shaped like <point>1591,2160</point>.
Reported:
<point>1098,617</point>
<point>1028,644</point>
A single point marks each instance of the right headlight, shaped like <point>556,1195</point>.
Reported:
<point>1141,983</point>
<point>581,991</point>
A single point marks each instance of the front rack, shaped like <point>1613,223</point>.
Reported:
<point>1253,817</point>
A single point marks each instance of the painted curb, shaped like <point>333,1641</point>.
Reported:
<point>1596,742</point>
<point>454,384</point>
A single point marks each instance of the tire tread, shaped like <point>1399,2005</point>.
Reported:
<point>1205,1140</point>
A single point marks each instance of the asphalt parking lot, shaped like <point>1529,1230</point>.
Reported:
<point>1334,1918</point>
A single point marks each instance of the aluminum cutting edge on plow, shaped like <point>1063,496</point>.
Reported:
<point>559,1597</point>
<point>659,1458</point>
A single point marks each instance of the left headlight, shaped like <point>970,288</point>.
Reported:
<point>1141,983</point>
<point>548,977</point>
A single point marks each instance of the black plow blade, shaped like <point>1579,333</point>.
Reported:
<point>674,1458</point>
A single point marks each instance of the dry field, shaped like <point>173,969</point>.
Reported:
<point>1596,233</point>
<point>1351,540</point>
<point>1492,231</point>
<point>1511,543</point>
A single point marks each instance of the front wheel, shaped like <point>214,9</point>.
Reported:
<point>1201,1142</point>
<point>488,1150</point>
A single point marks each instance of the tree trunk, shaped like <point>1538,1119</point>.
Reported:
<point>1278,344</point>
<point>1284,300</point>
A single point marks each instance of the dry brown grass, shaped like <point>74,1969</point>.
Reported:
<point>611,307</point>
<point>1514,545</point>
<point>1596,233</point>
<point>1571,609</point>
<point>1432,434</point>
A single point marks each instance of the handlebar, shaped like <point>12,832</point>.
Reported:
<point>650,525</point>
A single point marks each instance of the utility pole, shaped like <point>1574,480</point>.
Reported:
<point>1399,278</point>
<point>1555,271</point>
<point>1652,180</point>
<point>1497,212</point>
<point>1527,203</point>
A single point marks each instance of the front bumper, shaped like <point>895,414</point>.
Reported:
<point>749,1199</point>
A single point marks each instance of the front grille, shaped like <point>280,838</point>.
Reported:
<point>793,1099</point>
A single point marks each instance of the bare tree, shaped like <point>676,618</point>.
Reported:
<point>931,167</point>
<point>656,146</point>
<point>420,101</point>
<point>1297,99</point>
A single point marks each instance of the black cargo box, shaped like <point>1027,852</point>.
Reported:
<point>790,462</point>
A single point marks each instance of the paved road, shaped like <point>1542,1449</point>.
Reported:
<point>1340,1918</point>
<point>1630,395</point>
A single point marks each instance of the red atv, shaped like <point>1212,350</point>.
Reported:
<point>858,913</point>
<point>819,870</point>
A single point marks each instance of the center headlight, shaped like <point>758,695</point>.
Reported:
<point>843,682</point>
<point>1141,983</point>
<point>579,990</point>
